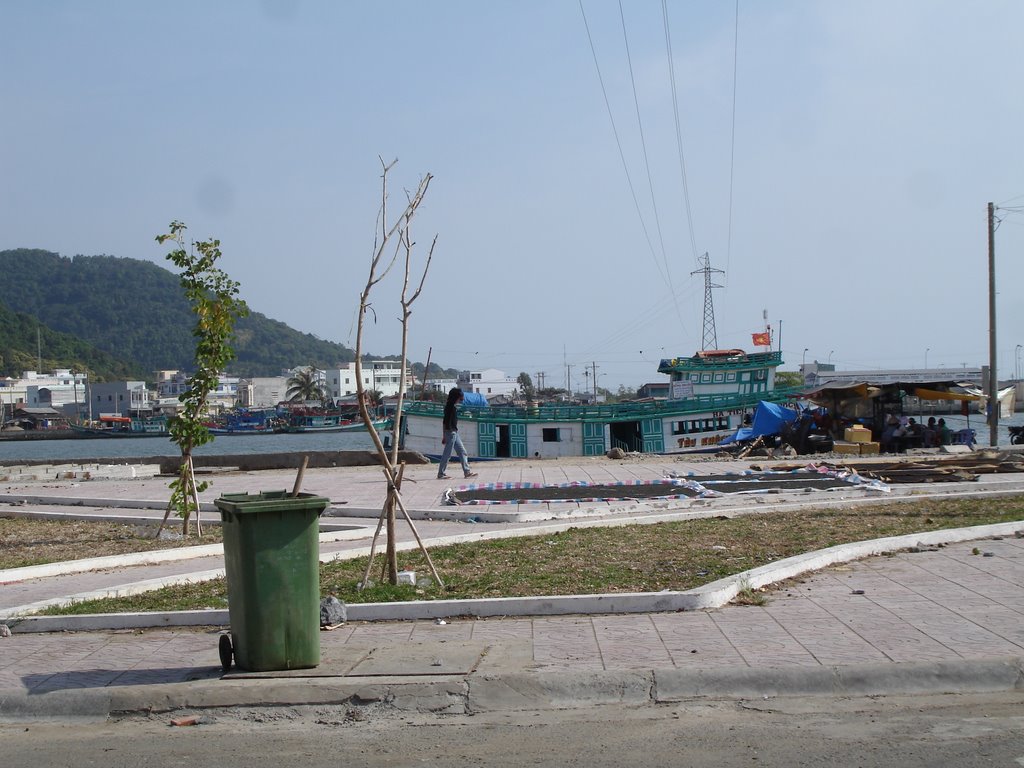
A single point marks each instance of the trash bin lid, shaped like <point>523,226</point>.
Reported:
<point>271,501</point>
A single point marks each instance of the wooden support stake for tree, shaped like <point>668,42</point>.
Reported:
<point>195,495</point>
<point>298,477</point>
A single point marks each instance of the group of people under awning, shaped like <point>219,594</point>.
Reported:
<point>902,432</point>
<point>879,407</point>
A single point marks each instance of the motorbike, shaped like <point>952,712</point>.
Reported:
<point>1016,435</point>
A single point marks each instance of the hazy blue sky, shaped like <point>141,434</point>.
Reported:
<point>869,137</point>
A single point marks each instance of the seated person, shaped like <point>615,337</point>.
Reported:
<point>892,435</point>
<point>914,433</point>
<point>943,433</point>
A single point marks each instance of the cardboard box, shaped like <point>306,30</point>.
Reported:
<point>869,449</point>
<point>857,434</point>
<point>849,448</point>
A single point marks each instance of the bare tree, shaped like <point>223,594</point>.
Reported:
<point>394,238</point>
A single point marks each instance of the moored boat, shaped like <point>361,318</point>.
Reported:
<point>123,426</point>
<point>709,394</point>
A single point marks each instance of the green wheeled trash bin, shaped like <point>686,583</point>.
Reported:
<point>272,563</point>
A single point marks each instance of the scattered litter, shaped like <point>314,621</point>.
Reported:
<point>190,720</point>
<point>989,554</point>
<point>5,631</point>
<point>440,622</point>
<point>857,592</point>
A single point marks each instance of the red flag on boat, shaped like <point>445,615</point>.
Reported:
<point>762,339</point>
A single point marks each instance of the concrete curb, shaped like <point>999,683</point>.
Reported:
<point>713,595</point>
<point>975,676</point>
<point>152,557</point>
<point>517,691</point>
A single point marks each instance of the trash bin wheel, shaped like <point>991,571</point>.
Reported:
<point>225,652</point>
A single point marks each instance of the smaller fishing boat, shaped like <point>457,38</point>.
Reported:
<point>244,421</point>
<point>123,426</point>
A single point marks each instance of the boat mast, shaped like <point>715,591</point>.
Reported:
<point>710,338</point>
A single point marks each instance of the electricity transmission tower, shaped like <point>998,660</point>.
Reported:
<point>710,338</point>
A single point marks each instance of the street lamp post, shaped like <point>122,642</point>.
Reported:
<point>803,360</point>
<point>929,349</point>
<point>1016,364</point>
<point>830,356</point>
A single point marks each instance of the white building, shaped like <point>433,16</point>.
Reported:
<point>119,398</point>
<point>56,390</point>
<point>488,382</point>
<point>170,385</point>
<point>262,392</point>
<point>381,375</point>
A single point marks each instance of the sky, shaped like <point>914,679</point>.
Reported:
<point>835,160</point>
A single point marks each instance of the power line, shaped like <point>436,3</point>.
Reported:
<point>679,130</point>
<point>618,143</point>
<point>643,139</point>
<point>732,141</point>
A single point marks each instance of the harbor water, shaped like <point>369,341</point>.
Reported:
<point>80,449</point>
<point>71,450</point>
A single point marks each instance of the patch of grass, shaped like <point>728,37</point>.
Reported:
<point>747,595</point>
<point>24,541</point>
<point>638,558</point>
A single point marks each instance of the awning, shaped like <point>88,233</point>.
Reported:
<point>934,394</point>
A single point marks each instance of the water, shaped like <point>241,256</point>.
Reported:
<point>975,421</point>
<point>60,451</point>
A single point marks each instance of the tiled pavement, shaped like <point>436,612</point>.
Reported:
<point>946,605</point>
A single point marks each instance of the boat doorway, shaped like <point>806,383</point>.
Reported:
<point>502,441</point>
<point>627,436</point>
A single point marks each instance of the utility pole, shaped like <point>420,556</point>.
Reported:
<point>993,378</point>
<point>594,368</point>
<point>568,380</point>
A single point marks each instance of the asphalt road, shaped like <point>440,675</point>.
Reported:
<point>910,732</point>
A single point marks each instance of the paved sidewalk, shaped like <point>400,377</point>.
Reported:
<point>942,620</point>
<point>947,619</point>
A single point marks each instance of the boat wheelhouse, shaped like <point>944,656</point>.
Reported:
<point>709,395</point>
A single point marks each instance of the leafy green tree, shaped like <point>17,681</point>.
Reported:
<point>305,385</point>
<point>549,394</point>
<point>526,386</point>
<point>789,379</point>
<point>213,297</point>
<point>626,393</point>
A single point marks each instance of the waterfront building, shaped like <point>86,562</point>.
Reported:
<point>119,398</point>
<point>384,376</point>
<point>61,390</point>
<point>816,374</point>
<point>170,385</point>
<point>488,382</point>
<point>262,391</point>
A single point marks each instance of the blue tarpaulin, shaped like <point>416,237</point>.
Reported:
<point>474,400</point>
<point>768,420</point>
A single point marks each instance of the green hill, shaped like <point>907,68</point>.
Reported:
<point>121,318</point>
<point>135,310</point>
<point>26,345</point>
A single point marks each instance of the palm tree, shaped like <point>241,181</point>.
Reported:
<point>305,385</point>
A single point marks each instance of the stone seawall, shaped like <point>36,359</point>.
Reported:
<point>248,462</point>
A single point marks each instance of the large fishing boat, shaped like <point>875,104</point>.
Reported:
<point>710,393</point>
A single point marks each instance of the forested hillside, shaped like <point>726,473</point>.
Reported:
<point>135,310</point>
<point>26,345</point>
